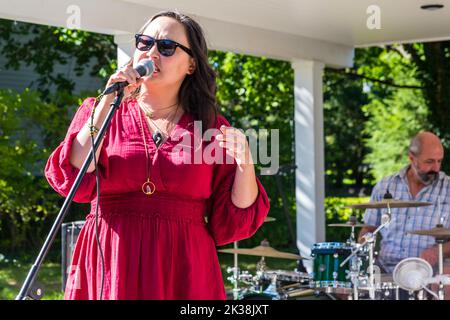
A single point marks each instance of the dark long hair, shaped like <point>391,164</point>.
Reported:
<point>197,93</point>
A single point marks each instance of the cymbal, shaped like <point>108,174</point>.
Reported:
<point>437,232</point>
<point>392,204</point>
<point>350,224</point>
<point>269,219</point>
<point>264,251</point>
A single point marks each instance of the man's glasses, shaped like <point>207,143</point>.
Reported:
<point>165,46</point>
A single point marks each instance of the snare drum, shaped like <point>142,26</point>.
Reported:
<point>327,271</point>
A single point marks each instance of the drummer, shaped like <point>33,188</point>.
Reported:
<point>420,180</point>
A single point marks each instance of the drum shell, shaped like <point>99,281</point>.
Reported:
<point>327,271</point>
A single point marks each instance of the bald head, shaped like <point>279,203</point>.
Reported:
<point>424,141</point>
<point>425,155</point>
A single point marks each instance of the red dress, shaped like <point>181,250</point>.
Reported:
<point>159,246</point>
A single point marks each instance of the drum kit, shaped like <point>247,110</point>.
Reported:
<point>343,270</point>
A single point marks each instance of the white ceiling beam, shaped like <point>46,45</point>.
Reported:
<point>123,18</point>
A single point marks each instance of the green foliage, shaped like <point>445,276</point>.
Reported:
<point>336,211</point>
<point>432,62</point>
<point>257,93</point>
<point>393,122</point>
<point>277,232</point>
<point>29,131</point>
<point>44,47</point>
<point>33,123</point>
<point>394,115</point>
<point>344,132</point>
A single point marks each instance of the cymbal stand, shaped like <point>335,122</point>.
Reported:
<point>235,278</point>
<point>354,267</point>
<point>352,239</point>
<point>370,242</point>
<point>354,276</point>
<point>440,243</point>
<point>236,274</point>
<point>261,267</point>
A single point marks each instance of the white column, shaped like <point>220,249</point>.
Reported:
<point>309,155</point>
<point>125,48</point>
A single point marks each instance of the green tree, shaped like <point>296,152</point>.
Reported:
<point>392,123</point>
<point>344,121</point>
<point>28,131</point>
<point>395,113</point>
<point>257,93</point>
<point>432,62</point>
<point>44,47</point>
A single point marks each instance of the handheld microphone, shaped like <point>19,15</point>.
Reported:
<point>144,68</point>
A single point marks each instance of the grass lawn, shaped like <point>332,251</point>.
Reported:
<point>13,274</point>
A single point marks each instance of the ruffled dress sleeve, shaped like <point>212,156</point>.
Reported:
<point>61,174</point>
<point>227,222</point>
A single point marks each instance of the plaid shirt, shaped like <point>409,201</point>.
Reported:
<point>397,244</point>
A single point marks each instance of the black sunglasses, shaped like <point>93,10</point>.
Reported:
<point>165,46</point>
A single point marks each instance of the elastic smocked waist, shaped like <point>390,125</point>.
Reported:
<point>158,205</point>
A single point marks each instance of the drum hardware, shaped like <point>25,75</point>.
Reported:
<point>236,265</point>
<point>327,273</point>
<point>369,241</point>
<point>352,226</point>
<point>265,284</point>
<point>369,238</point>
<point>236,273</point>
<point>351,223</point>
<point>299,293</point>
<point>354,274</point>
<point>441,235</point>
<point>268,284</point>
<point>330,274</point>
<point>414,274</point>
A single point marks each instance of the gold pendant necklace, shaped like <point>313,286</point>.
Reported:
<point>148,187</point>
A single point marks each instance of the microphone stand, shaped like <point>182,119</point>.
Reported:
<point>24,293</point>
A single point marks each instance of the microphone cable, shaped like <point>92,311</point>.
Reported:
<point>94,130</point>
